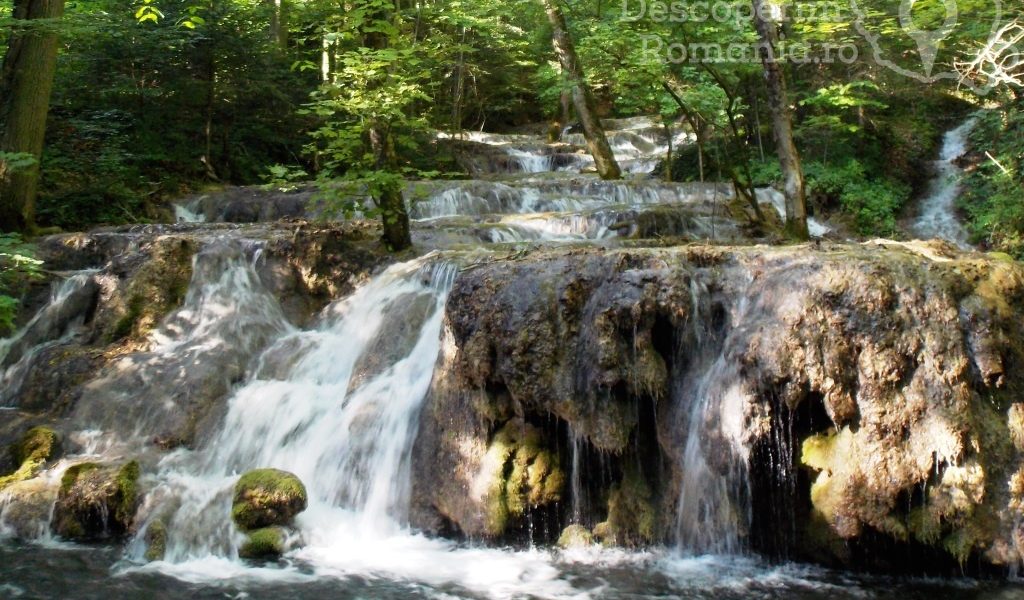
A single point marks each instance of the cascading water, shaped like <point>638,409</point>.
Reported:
<point>337,406</point>
<point>70,301</point>
<point>714,511</point>
<point>227,317</point>
<point>938,209</point>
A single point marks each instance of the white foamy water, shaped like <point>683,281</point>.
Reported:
<point>337,406</point>
<point>815,228</point>
<point>189,213</point>
<point>938,209</point>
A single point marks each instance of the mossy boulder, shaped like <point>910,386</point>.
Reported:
<point>96,501</point>
<point>267,497</point>
<point>575,536</point>
<point>266,543</point>
<point>30,453</point>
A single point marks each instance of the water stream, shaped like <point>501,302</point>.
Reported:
<point>938,217</point>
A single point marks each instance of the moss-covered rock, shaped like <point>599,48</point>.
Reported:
<point>156,540</point>
<point>632,512</point>
<point>267,497</point>
<point>575,536</point>
<point>155,289</point>
<point>31,453</point>
<point>96,501</point>
<point>266,543</point>
<point>519,474</point>
<point>898,366</point>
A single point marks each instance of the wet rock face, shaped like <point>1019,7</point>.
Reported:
<point>133,348</point>
<point>866,393</point>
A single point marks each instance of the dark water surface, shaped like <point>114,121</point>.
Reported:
<point>32,571</point>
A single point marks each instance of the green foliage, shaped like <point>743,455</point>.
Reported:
<point>285,178</point>
<point>874,203</point>
<point>875,206</point>
<point>146,111</point>
<point>18,267</point>
<point>992,198</point>
<point>17,161</point>
<point>157,98</point>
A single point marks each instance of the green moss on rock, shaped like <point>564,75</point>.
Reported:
<point>31,453</point>
<point>522,473</point>
<point>266,543</point>
<point>267,497</point>
<point>96,501</point>
<point>156,541</point>
<point>575,536</point>
<point>632,511</point>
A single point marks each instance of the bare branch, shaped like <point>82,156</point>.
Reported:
<point>1000,61</point>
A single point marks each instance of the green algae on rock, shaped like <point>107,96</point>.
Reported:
<point>31,453</point>
<point>265,543</point>
<point>519,474</point>
<point>898,367</point>
<point>96,501</point>
<point>156,541</point>
<point>575,536</point>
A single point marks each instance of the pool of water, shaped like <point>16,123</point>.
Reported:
<point>69,571</point>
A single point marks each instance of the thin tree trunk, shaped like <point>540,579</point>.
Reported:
<point>757,123</point>
<point>25,87</point>
<point>668,154</point>
<point>782,125</point>
<point>583,99</point>
<point>278,22</point>
<point>394,214</point>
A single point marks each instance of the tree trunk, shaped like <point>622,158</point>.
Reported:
<point>394,214</point>
<point>25,86</point>
<point>782,125</point>
<point>583,99</point>
<point>278,23</point>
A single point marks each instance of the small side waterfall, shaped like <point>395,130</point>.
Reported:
<point>714,511</point>
<point>337,406</point>
<point>70,301</point>
<point>938,209</point>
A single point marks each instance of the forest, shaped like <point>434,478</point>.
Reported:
<point>152,101</point>
<point>512,298</point>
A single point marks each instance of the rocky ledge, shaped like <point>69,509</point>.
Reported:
<point>844,403</point>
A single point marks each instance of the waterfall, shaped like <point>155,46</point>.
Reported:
<point>938,209</point>
<point>714,512</point>
<point>191,212</point>
<point>227,317</point>
<point>337,406</point>
<point>70,302</point>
